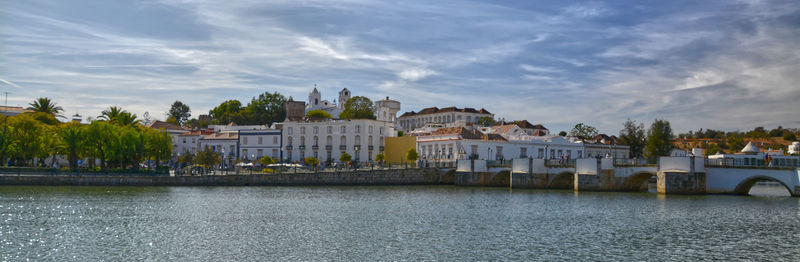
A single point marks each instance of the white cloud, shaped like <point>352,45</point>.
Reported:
<point>414,74</point>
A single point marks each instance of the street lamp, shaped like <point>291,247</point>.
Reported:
<point>177,172</point>
<point>252,163</point>
<point>223,160</point>
<point>488,153</point>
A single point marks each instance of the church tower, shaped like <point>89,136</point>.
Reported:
<point>314,98</point>
<point>344,95</point>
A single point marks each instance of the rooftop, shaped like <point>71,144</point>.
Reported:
<point>434,110</point>
<point>158,124</point>
<point>467,134</point>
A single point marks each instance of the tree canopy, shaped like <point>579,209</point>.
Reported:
<point>584,131</point>
<point>411,155</point>
<point>659,139</point>
<point>180,112</point>
<point>633,135</point>
<point>47,106</point>
<point>318,114</point>
<point>486,121</point>
<point>358,107</point>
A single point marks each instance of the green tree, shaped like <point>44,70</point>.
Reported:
<point>735,142</point>
<point>380,157</point>
<point>266,109</point>
<point>186,158</point>
<point>111,114</point>
<point>562,133</point>
<point>712,149</point>
<point>584,131</point>
<point>358,107</point>
<point>318,114</point>
<point>158,146</point>
<point>180,112</point>
<point>47,106</point>
<point>312,161</point>
<point>207,157</point>
<point>127,119</point>
<point>227,112</point>
<point>266,161</point>
<point>633,135</point>
<point>345,158</point>
<point>400,133</point>
<point>789,136</point>
<point>24,136</point>
<point>45,118</point>
<point>98,144</point>
<point>659,139</point>
<point>486,121</point>
<point>411,155</point>
<point>72,138</point>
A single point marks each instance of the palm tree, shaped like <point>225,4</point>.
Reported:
<point>45,105</point>
<point>126,118</point>
<point>111,114</point>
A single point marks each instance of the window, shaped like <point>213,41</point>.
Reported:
<point>329,140</point>
<point>343,141</point>
<point>302,130</point>
<point>450,151</point>
<point>289,141</point>
<point>357,141</point>
<point>290,130</point>
<point>474,150</point>
<point>369,141</point>
<point>244,152</point>
<point>552,154</point>
<point>330,130</point>
<point>469,119</point>
<point>358,129</point>
<point>184,140</point>
<point>316,130</point>
<point>569,154</point>
<point>541,153</point>
<point>233,149</point>
<point>580,154</point>
<point>274,140</point>
<point>302,140</point>
<point>458,117</point>
<point>344,129</point>
<point>370,129</point>
<point>316,141</point>
<point>193,141</point>
<point>499,153</point>
<point>275,153</point>
<point>260,153</point>
<point>260,140</point>
<point>380,131</point>
<point>523,152</point>
<point>244,140</point>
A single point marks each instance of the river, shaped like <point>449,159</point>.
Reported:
<point>390,223</point>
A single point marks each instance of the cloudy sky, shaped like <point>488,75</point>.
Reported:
<point>713,64</point>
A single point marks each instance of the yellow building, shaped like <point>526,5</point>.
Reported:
<point>396,148</point>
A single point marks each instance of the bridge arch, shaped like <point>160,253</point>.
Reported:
<point>637,181</point>
<point>743,188</point>
<point>563,180</point>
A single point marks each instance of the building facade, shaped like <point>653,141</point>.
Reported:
<point>255,144</point>
<point>328,140</point>
<point>225,143</point>
<point>411,120</point>
<point>454,143</point>
<point>174,132</point>
<point>189,142</point>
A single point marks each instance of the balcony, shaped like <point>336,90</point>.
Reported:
<point>315,147</point>
<point>329,147</point>
<point>289,147</point>
<point>342,147</point>
<point>357,147</point>
<point>370,148</point>
<point>301,147</point>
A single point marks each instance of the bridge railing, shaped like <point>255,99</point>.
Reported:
<point>560,162</point>
<point>752,163</point>
<point>634,162</point>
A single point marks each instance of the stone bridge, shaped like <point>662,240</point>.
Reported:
<point>674,175</point>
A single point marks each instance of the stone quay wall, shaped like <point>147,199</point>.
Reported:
<point>423,176</point>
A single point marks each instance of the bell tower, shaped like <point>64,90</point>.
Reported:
<point>344,95</point>
<point>314,98</point>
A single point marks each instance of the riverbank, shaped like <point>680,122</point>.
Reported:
<point>419,176</point>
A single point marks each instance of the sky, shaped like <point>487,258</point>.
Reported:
<point>730,65</point>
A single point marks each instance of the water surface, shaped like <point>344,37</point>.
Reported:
<point>389,223</point>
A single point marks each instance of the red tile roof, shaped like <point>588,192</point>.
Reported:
<point>158,124</point>
<point>467,134</point>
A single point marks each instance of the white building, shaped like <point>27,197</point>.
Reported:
<point>225,143</point>
<point>462,143</point>
<point>412,120</point>
<point>255,144</point>
<point>189,142</point>
<point>327,140</point>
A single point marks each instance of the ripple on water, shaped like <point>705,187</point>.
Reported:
<point>389,223</point>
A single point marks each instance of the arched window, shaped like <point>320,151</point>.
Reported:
<point>369,140</point>
<point>358,140</point>
<point>329,140</point>
<point>316,141</point>
<point>344,141</point>
<point>289,141</point>
<point>302,140</point>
